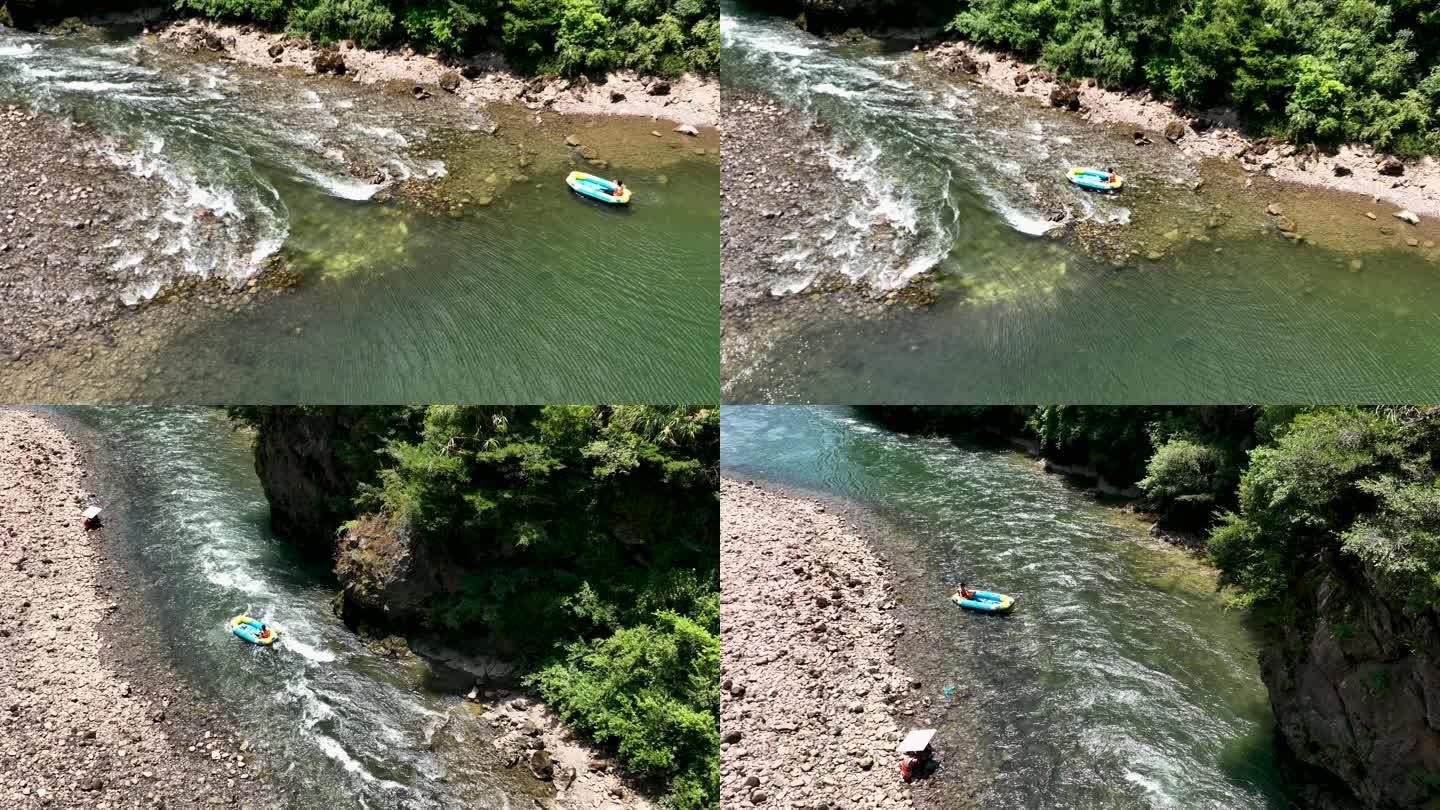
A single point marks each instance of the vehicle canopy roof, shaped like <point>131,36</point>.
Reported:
<point>916,741</point>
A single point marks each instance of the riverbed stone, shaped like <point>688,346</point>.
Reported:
<point>328,61</point>
<point>1175,130</point>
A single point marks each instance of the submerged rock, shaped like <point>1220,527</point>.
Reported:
<point>1407,215</point>
<point>686,129</point>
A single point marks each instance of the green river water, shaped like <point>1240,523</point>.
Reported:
<point>524,293</point>
<point>1119,682</point>
<point>966,178</point>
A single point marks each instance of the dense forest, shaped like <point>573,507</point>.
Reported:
<point>1324,524</point>
<point>664,37</point>
<point>582,540</point>
<point>1323,71</point>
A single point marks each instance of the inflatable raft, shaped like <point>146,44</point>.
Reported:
<point>250,630</point>
<point>597,188</point>
<point>1097,179</point>
<point>985,601</point>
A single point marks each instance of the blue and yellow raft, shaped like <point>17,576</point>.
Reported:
<point>251,630</point>
<point>1093,178</point>
<point>597,188</point>
<point>985,601</point>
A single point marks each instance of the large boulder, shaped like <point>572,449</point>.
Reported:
<point>450,81</point>
<point>659,87</point>
<point>1021,79</point>
<point>1175,130</point>
<point>1391,167</point>
<point>329,61</point>
<point>1066,97</point>
<point>387,577</point>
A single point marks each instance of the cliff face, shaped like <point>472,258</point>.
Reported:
<point>1358,693</point>
<point>311,462</point>
<point>388,579</point>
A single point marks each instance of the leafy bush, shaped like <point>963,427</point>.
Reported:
<point>1321,70</point>
<point>651,691</point>
<point>665,37</point>
<point>1183,472</point>
<point>1340,490</point>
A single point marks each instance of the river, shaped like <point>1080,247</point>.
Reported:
<point>522,292</point>
<point>1119,681</point>
<point>1216,305</point>
<point>338,724</point>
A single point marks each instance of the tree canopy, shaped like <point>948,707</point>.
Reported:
<point>664,37</point>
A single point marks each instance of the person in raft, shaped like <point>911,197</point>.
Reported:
<point>909,766</point>
<point>264,631</point>
<point>965,592</point>
<point>619,189</point>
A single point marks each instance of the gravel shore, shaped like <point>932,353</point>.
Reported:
<point>530,735</point>
<point>87,720</point>
<point>61,219</point>
<point>810,689</point>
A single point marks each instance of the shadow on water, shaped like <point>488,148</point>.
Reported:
<point>1120,680</point>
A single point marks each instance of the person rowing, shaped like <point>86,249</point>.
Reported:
<point>965,592</point>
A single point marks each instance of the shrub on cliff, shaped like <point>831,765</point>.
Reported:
<point>1342,489</point>
<point>665,37</point>
<point>1185,475</point>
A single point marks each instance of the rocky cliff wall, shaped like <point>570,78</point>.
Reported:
<point>1356,693</point>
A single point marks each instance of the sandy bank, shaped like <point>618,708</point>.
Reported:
<point>810,687</point>
<point>79,731</point>
<point>479,80</point>
<point>1215,133</point>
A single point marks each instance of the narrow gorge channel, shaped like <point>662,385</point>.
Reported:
<point>333,722</point>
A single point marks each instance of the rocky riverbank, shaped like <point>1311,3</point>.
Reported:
<point>690,99</point>
<point>810,691</point>
<point>1412,185</point>
<point>88,719</point>
<point>62,256</point>
<point>772,163</point>
<point>530,735</point>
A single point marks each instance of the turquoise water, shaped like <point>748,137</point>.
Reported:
<point>1119,681</point>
